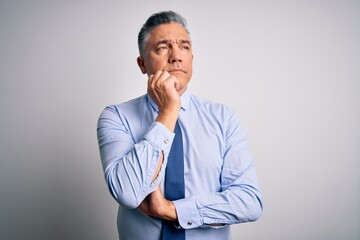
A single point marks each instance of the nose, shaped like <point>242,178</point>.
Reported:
<point>175,55</point>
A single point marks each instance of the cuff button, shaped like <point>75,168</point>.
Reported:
<point>189,223</point>
<point>166,141</point>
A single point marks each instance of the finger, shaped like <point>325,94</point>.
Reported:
<point>168,81</point>
<point>157,75</point>
<point>176,84</point>
<point>150,79</point>
<point>171,82</point>
<point>155,79</point>
<point>163,77</point>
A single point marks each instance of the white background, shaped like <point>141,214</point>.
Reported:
<point>290,69</point>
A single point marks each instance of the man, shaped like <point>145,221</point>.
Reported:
<point>135,140</point>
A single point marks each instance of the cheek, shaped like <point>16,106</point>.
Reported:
<point>189,59</point>
<point>156,65</point>
<point>189,65</point>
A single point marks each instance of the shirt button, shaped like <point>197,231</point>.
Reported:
<point>166,141</point>
<point>189,223</point>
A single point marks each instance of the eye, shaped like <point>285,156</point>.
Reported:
<point>161,48</point>
<point>186,47</point>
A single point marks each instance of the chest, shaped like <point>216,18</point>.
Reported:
<point>204,146</point>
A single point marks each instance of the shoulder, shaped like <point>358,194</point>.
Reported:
<point>124,109</point>
<point>130,104</point>
<point>127,106</point>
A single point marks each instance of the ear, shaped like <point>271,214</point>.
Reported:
<point>140,62</point>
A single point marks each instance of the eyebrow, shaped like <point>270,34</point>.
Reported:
<point>166,41</point>
<point>185,41</point>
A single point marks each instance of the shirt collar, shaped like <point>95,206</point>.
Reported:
<point>185,99</point>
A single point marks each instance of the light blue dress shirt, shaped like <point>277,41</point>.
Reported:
<point>220,180</point>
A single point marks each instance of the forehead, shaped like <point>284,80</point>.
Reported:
<point>168,31</point>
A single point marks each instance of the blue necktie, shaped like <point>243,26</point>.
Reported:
<point>174,183</point>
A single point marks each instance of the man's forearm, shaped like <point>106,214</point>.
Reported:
<point>157,206</point>
<point>168,119</point>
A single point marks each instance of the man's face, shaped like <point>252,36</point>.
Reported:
<point>168,48</point>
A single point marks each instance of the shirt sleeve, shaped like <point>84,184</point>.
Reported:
<point>239,199</point>
<point>130,166</point>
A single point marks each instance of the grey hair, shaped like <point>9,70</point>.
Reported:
<point>155,20</point>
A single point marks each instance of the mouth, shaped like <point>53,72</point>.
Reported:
<point>176,70</point>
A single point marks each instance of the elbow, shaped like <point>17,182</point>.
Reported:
<point>250,207</point>
<point>126,198</point>
<point>124,201</point>
<point>255,209</point>
<point>128,204</point>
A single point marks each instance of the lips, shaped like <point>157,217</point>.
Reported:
<point>176,70</point>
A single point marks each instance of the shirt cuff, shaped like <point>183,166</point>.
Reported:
<point>187,213</point>
<point>160,137</point>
